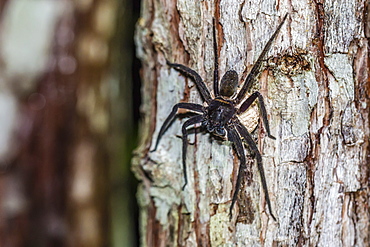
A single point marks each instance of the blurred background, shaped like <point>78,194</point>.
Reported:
<point>69,109</point>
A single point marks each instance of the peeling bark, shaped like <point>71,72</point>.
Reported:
<point>315,84</point>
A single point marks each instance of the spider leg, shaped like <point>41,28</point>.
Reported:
<point>261,102</point>
<point>215,50</point>
<point>255,69</point>
<point>190,106</point>
<point>233,136</point>
<point>247,137</point>
<point>197,79</point>
<point>190,121</point>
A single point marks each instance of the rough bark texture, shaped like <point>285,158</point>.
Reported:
<point>315,84</point>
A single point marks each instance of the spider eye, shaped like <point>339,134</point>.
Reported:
<point>220,131</point>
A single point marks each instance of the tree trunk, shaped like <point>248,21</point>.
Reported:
<point>315,85</point>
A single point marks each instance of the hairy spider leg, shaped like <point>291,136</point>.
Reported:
<point>196,77</point>
<point>255,69</point>
<point>215,72</point>
<point>190,121</point>
<point>189,106</point>
<point>262,107</point>
<point>247,137</point>
<point>233,136</point>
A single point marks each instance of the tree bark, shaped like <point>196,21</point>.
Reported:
<point>315,85</point>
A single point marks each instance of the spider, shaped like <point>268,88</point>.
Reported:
<point>220,117</point>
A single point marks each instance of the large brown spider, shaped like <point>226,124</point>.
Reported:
<point>220,117</point>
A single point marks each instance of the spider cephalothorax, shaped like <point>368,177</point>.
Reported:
<point>217,115</point>
<point>220,117</point>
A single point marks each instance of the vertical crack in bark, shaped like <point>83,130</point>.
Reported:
<point>364,85</point>
<point>180,228</point>
<point>153,95</point>
<point>177,44</point>
<point>323,82</point>
<point>247,211</point>
<point>240,12</point>
<point>152,227</point>
<point>201,228</point>
<point>366,20</point>
<point>322,72</point>
<point>218,27</point>
<point>361,66</point>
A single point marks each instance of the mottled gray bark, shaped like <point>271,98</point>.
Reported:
<point>314,82</point>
